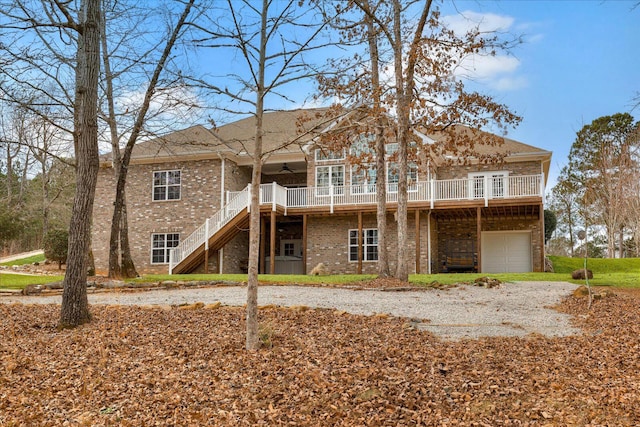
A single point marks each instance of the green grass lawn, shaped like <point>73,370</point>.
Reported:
<point>23,261</point>
<point>623,273</point>
<point>263,278</point>
<point>20,281</point>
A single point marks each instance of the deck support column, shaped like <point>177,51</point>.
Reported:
<point>418,241</point>
<point>479,237</point>
<point>206,246</point>
<point>360,242</point>
<point>272,244</point>
<point>429,242</point>
<point>263,242</point>
<point>304,244</point>
<point>542,233</point>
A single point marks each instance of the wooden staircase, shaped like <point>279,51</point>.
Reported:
<point>216,232</point>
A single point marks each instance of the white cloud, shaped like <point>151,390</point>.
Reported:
<point>510,83</point>
<point>485,22</point>
<point>483,67</point>
<point>499,72</point>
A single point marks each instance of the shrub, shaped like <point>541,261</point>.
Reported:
<point>56,244</point>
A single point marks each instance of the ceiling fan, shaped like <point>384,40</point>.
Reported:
<point>286,168</point>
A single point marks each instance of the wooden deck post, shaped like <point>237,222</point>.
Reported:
<point>417,241</point>
<point>272,244</point>
<point>359,242</point>
<point>263,242</point>
<point>479,237</point>
<point>304,244</point>
<point>206,246</point>
<point>541,215</point>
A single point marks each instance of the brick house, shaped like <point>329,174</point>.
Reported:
<point>187,204</point>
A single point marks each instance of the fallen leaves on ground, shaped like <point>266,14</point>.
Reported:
<point>135,366</point>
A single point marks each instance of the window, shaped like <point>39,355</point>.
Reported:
<point>327,176</point>
<point>166,185</point>
<point>289,249</point>
<point>363,146</point>
<point>393,176</point>
<point>497,184</point>
<point>363,179</point>
<point>324,154</point>
<point>369,245</point>
<point>161,243</point>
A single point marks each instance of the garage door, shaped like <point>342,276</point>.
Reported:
<point>506,252</point>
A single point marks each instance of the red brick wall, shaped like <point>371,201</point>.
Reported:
<point>514,168</point>
<point>200,198</point>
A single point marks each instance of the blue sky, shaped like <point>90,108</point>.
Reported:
<point>579,62</point>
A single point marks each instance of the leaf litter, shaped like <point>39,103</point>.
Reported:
<point>136,366</point>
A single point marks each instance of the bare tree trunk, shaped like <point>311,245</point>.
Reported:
<point>45,199</point>
<point>381,173</point>
<point>621,243</point>
<point>252,338</point>
<point>404,95</point>
<point>120,260</point>
<point>75,305</point>
<point>128,268</point>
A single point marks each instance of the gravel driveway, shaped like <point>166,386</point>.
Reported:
<point>514,309</point>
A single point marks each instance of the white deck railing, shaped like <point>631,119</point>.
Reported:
<point>236,204</point>
<point>475,188</point>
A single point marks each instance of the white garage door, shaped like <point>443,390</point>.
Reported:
<point>506,252</point>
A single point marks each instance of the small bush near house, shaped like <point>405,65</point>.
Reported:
<point>56,245</point>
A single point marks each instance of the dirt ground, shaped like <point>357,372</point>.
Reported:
<point>186,366</point>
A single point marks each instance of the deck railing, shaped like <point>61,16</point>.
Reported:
<point>236,203</point>
<point>475,188</point>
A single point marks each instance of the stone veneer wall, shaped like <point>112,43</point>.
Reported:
<point>200,198</point>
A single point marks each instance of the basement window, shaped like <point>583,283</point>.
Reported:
<point>161,244</point>
<point>369,245</point>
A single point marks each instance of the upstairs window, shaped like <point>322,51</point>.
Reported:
<point>166,185</point>
<point>496,182</point>
<point>323,155</point>
<point>327,176</point>
<point>393,177</point>
<point>363,179</point>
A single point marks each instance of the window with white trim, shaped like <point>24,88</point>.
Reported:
<point>393,177</point>
<point>327,176</point>
<point>369,245</point>
<point>161,244</point>
<point>166,185</point>
<point>323,154</point>
<point>363,179</point>
<point>496,183</point>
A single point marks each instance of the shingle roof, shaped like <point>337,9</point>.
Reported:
<point>284,131</point>
<point>506,146</point>
<point>191,141</point>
